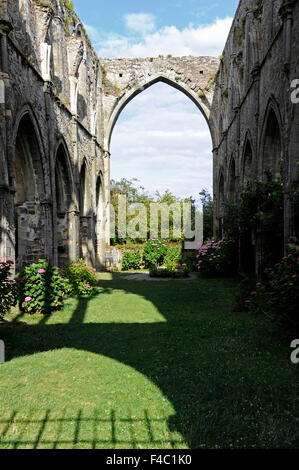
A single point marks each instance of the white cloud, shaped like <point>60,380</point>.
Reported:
<point>140,22</point>
<point>201,40</point>
<point>163,140</point>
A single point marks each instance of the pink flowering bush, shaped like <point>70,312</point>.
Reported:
<point>82,278</point>
<point>8,292</point>
<point>154,253</point>
<point>217,258</point>
<point>41,288</point>
<point>277,295</point>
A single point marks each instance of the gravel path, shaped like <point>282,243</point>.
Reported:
<point>146,277</point>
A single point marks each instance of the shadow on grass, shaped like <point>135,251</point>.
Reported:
<point>195,357</point>
<point>109,431</point>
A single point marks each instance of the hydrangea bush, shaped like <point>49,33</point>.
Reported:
<point>277,295</point>
<point>189,259</point>
<point>154,253</point>
<point>82,277</point>
<point>41,288</point>
<point>8,292</point>
<point>217,258</point>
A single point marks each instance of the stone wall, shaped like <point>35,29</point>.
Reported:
<point>256,122</point>
<point>50,127</point>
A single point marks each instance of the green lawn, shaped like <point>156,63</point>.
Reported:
<point>148,365</point>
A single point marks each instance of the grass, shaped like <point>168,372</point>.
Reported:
<point>147,365</point>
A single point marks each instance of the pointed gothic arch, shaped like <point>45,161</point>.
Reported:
<point>247,161</point>
<point>29,179</point>
<point>201,102</point>
<point>271,143</point>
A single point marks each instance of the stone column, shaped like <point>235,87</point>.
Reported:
<point>74,230</point>
<point>216,196</point>
<point>107,197</point>
<point>47,210</point>
<point>7,224</point>
<point>255,74</point>
<point>286,13</point>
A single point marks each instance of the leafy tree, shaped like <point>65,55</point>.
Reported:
<point>208,208</point>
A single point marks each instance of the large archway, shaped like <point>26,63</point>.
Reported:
<point>123,79</point>
<point>164,142</point>
<point>30,193</point>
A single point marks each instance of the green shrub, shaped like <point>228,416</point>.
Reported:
<point>82,277</point>
<point>172,258</point>
<point>277,295</point>
<point>154,253</point>
<point>8,292</point>
<point>131,260</point>
<point>42,288</point>
<point>190,260</point>
<point>217,258</point>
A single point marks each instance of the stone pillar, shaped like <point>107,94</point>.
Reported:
<point>74,230</point>
<point>4,58</point>
<point>47,210</point>
<point>107,197</point>
<point>286,13</point>
<point>7,228</point>
<point>255,74</point>
<point>215,198</point>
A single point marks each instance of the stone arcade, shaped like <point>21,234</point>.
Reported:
<point>59,103</point>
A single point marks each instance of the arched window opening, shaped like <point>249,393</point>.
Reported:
<point>247,164</point>
<point>272,151</point>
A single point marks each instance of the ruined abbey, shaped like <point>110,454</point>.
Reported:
<point>59,103</point>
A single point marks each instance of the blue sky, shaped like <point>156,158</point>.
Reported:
<point>161,128</point>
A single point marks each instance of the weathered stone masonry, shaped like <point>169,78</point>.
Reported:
<point>50,137</point>
<point>257,125</point>
<point>59,103</point>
